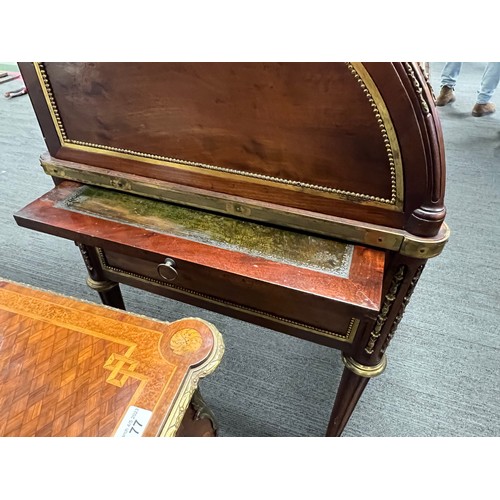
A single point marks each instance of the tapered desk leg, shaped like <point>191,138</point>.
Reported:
<point>109,291</point>
<point>354,380</point>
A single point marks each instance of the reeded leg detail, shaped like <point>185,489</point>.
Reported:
<point>398,287</point>
<point>354,380</point>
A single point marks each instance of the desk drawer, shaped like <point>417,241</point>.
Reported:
<point>314,314</point>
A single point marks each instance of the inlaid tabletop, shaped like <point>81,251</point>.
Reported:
<point>72,368</point>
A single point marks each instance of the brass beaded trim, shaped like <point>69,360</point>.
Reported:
<point>351,329</point>
<point>49,96</point>
<point>268,178</point>
<point>385,136</point>
<point>65,141</point>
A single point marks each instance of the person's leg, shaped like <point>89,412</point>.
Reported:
<point>489,83</point>
<point>449,76</point>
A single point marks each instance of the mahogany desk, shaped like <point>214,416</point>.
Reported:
<point>71,368</point>
<point>303,197</point>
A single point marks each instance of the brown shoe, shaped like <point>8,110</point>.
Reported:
<point>445,96</point>
<point>483,109</point>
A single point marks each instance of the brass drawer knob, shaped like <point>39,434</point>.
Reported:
<point>167,270</point>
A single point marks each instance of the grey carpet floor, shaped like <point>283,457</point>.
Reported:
<point>444,362</point>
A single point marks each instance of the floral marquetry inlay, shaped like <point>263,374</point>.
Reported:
<point>186,340</point>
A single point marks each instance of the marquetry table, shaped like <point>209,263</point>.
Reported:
<point>73,368</point>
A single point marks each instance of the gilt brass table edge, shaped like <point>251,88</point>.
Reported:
<point>364,233</point>
<point>183,398</point>
<point>347,337</point>
<point>371,93</point>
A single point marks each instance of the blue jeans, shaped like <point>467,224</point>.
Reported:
<point>489,80</point>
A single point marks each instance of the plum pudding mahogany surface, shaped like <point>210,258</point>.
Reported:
<point>71,368</point>
<point>303,197</point>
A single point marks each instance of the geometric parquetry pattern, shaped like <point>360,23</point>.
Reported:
<point>54,383</point>
<point>121,368</point>
<point>73,368</point>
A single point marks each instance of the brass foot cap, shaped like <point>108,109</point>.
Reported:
<point>365,370</point>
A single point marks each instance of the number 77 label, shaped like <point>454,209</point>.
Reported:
<point>134,422</point>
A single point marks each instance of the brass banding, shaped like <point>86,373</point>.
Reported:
<point>368,234</point>
<point>100,286</point>
<point>365,370</point>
